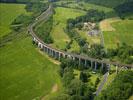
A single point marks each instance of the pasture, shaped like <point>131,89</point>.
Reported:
<point>60,18</point>
<point>122,34</point>
<point>8,12</point>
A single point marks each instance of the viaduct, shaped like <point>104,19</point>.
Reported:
<point>58,54</point>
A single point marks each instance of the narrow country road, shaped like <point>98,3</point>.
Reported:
<point>102,83</point>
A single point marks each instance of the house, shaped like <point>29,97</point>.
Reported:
<point>93,32</point>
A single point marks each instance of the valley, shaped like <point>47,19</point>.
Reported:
<point>74,50</point>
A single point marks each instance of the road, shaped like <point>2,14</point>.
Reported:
<point>105,77</point>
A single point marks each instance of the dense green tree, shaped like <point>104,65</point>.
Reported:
<point>97,51</point>
<point>43,30</point>
<point>97,81</point>
<point>124,53</point>
<point>83,76</point>
<point>68,76</point>
<point>36,7</point>
<point>124,9</point>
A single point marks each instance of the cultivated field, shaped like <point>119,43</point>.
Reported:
<point>8,12</point>
<point>60,18</point>
<point>122,34</point>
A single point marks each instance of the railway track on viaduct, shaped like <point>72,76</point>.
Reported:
<point>58,54</point>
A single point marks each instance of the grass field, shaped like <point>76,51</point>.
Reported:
<point>24,71</point>
<point>8,12</point>
<point>60,18</point>
<point>123,33</point>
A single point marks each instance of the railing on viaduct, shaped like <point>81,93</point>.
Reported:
<point>58,54</point>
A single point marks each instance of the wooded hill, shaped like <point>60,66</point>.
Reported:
<point>19,1</point>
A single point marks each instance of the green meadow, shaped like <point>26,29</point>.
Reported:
<point>60,18</point>
<point>122,34</point>
<point>8,12</point>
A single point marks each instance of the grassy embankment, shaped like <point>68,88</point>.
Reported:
<point>25,74</point>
